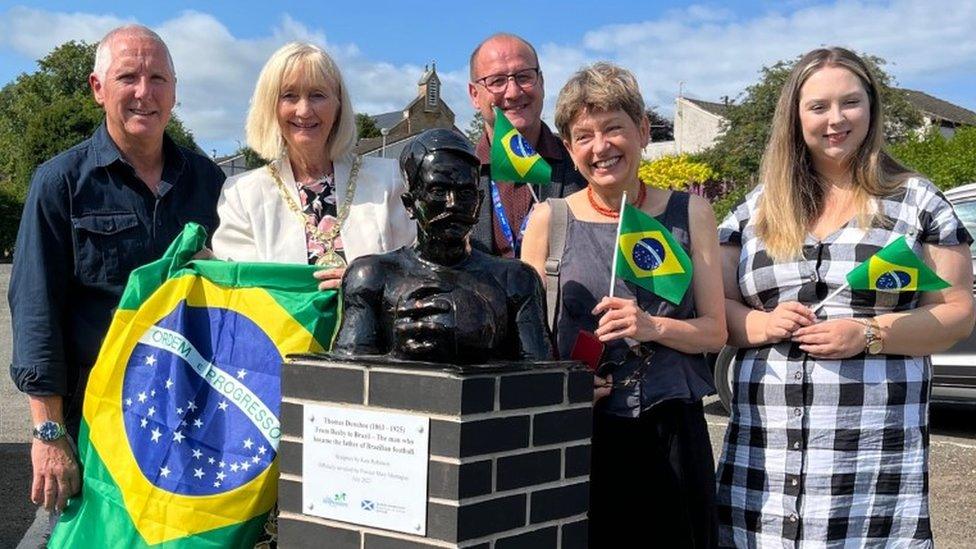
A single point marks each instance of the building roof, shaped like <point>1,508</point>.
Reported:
<point>718,109</point>
<point>933,106</point>
<point>387,119</point>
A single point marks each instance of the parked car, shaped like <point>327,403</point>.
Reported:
<point>953,371</point>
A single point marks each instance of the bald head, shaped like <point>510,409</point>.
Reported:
<point>103,54</point>
<point>488,43</point>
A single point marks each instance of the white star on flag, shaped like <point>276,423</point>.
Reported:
<point>156,434</point>
<point>211,460</point>
<point>191,406</point>
<point>128,402</point>
<point>142,396</point>
<point>198,473</point>
<point>197,454</point>
<point>221,464</point>
<point>151,360</point>
<point>197,423</point>
<point>233,467</point>
<point>222,405</point>
<point>248,443</point>
<point>152,393</point>
<point>221,475</point>
<point>216,484</point>
<point>169,383</point>
<point>143,422</point>
<point>152,411</point>
<point>179,411</point>
<point>164,471</point>
<point>256,459</point>
<point>261,450</point>
<point>245,466</point>
<point>182,424</point>
<point>178,437</point>
<point>241,373</point>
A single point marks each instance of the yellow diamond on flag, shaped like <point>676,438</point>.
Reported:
<point>887,276</point>
<point>649,254</point>
<point>515,147</point>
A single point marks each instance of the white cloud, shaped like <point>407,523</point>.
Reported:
<point>713,51</point>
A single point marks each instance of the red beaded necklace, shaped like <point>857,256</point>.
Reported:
<point>610,212</point>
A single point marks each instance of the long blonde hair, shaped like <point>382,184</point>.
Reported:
<point>262,129</point>
<point>793,192</point>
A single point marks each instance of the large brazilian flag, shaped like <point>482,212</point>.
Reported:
<point>180,424</point>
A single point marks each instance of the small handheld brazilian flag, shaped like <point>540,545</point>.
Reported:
<point>513,158</point>
<point>895,268</point>
<point>649,256</point>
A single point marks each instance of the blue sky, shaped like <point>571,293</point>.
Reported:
<point>711,49</point>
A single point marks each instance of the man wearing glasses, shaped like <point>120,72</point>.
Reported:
<point>505,73</point>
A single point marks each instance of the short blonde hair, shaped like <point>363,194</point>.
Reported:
<point>601,87</point>
<point>317,68</point>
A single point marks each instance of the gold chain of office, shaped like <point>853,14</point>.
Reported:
<point>329,258</point>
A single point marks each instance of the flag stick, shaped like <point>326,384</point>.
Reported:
<point>832,295</point>
<point>531,187</point>
<point>616,245</point>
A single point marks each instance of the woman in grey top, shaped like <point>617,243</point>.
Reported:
<point>652,478</point>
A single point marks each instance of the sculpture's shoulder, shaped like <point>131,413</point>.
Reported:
<point>516,277</point>
<point>373,271</point>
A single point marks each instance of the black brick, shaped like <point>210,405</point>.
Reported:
<point>575,535</point>
<point>445,438</point>
<point>442,522</point>
<point>579,386</point>
<point>435,394</point>
<point>577,461</point>
<point>530,390</point>
<point>290,457</point>
<point>528,469</point>
<point>322,383</point>
<point>373,541</point>
<point>292,421</point>
<point>451,481</point>
<point>490,517</point>
<point>562,502</point>
<point>290,496</point>
<point>562,426</point>
<point>537,539</point>
<point>301,534</point>
<point>494,435</point>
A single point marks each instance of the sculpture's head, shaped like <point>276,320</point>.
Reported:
<point>441,171</point>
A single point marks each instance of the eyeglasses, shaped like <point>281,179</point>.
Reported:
<point>498,83</point>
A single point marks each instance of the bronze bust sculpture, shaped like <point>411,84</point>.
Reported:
<point>439,300</point>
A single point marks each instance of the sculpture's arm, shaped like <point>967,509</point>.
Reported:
<point>534,339</point>
<point>362,299</point>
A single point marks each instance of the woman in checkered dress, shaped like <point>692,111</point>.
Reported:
<point>828,440</point>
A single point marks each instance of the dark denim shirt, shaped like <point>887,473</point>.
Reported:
<point>88,222</point>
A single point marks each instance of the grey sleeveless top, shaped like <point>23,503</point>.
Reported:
<point>584,279</point>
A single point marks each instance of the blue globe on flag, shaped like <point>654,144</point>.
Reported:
<point>520,147</point>
<point>893,280</point>
<point>648,253</point>
<point>200,419</point>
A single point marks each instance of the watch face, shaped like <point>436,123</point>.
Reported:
<point>48,431</point>
<point>874,347</point>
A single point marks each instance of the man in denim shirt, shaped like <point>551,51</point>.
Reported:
<point>93,214</point>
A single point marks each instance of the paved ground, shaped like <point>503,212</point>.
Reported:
<point>953,450</point>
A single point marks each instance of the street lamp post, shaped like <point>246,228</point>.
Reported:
<point>384,132</point>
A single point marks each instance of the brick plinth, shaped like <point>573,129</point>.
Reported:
<point>508,462</point>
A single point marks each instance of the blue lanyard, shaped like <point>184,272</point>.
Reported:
<point>514,241</point>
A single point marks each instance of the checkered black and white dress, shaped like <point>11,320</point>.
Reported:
<point>830,453</point>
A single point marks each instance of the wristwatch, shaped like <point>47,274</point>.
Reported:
<point>48,431</point>
<point>873,343</point>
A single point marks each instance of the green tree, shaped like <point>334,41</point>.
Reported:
<point>366,127</point>
<point>738,151</point>
<point>662,129</point>
<point>475,128</point>
<point>251,159</point>
<point>947,162</point>
<point>42,114</point>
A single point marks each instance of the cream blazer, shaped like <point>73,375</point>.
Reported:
<point>257,225</point>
